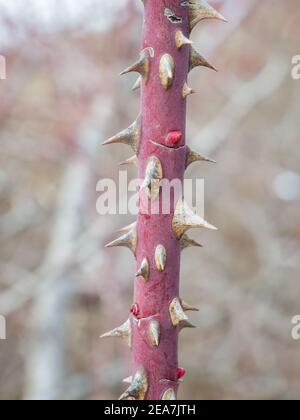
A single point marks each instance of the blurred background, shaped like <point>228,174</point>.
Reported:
<point>59,288</point>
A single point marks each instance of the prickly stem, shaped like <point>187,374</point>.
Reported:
<point>158,139</point>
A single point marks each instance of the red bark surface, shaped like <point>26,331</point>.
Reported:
<point>163,112</point>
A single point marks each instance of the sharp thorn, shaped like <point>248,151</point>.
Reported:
<point>144,270</point>
<point>124,332</point>
<point>185,219</point>
<point>167,71</point>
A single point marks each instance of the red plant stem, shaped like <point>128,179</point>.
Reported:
<point>158,139</point>
<point>163,111</point>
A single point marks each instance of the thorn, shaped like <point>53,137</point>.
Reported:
<point>167,71</point>
<point>124,332</point>
<point>185,219</point>
<point>127,380</point>
<point>128,228</point>
<point>199,10</point>
<point>160,258</point>
<point>130,136</point>
<point>192,157</point>
<point>181,40</point>
<point>187,307</point>
<point>129,240</point>
<point>196,60</point>
<point>144,270</point>
<point>137,85</point>
<point>177,312</point>
<point>185,324</point>
<point>142,66</point>
<point>169,394</point>
<point>153,177</point>
<point>138,388</point>
<point>131,161</point>
<point>187,242</point>
<point>154,333</point>
<point>186,91</point>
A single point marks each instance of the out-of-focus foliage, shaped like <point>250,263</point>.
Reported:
<point>59,289</point>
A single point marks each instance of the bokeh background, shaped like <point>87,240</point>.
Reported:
<point>59,288</point>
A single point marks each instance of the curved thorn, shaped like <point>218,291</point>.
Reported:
<point>192,157</point>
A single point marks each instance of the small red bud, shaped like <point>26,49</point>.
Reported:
<point>173,138</point>
<point>180,373</point>
<point>135,310</point>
